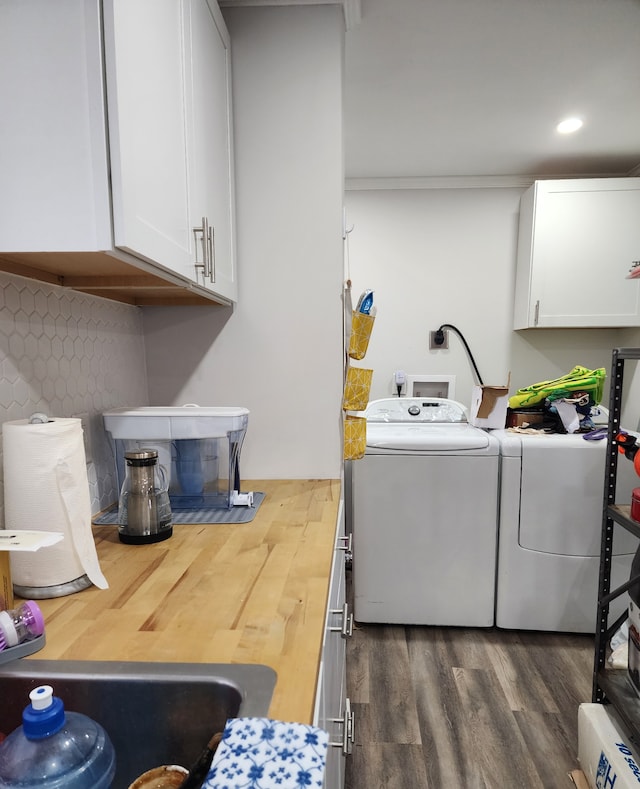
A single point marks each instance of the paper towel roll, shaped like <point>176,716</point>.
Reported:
<point>46,488</point>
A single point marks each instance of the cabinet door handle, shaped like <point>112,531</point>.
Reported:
<point>211,244</point>
<point>536,314</point>
<point>348,729</point>
<point>347,547</point>
<point>206,245</point>
<point>205,240</point>
<point>351,723</point>
<point>346,629</point>
<point>347,622</point>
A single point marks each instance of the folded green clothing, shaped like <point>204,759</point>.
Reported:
<point>579,379</point>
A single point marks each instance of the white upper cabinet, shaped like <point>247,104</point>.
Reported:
<point>54,190</point>
<point>144,57</point>
<point>116,143</point>
<point>577,242</point>
<point>211,171</point>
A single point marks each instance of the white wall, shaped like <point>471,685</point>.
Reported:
<point>279,352</point>
<point>438,256</point>
<point>70,354</point>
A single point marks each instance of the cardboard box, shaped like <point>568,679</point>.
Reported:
<point>489,406</point>
<point>604,752</point>
<point>6,587</point>
<point>579,779</point>
<point>524,417</point>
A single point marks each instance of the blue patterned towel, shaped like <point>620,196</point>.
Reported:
<point>259,753</point>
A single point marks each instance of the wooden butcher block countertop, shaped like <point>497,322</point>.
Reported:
<point>220,593</point>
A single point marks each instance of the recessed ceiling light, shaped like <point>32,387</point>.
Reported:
<point>569,125</point>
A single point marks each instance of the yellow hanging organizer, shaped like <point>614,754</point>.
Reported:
<point>357,386</point>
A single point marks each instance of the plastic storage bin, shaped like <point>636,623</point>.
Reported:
<point>198,446</point>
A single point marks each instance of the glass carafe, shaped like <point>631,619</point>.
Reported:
<point>144,511</point>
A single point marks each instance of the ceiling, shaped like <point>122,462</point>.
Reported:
<point>464,89</point>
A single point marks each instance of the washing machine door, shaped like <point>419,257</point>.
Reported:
<point>562,490</point>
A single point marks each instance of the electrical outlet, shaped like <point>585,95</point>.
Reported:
<point>433,345</point>
<point>399,382</point>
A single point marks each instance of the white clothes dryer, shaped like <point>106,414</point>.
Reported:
<point>551,500</point>
<point>425,501</point>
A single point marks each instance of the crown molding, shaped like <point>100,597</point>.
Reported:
<point>461,182</point>
<point>439,182</point>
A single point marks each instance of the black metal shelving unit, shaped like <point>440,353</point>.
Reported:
<point>613,686</point>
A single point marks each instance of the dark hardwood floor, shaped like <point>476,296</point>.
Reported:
<point>456,708</point>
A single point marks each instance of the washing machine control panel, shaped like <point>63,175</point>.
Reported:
<point>416,409</point>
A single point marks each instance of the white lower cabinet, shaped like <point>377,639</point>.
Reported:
<point>333,709</point>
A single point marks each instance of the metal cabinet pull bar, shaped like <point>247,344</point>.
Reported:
<point>206,232</point>
<point>348,543</point>
<point>348,729</point>
<point>346,629</point>
<point>351,726</point>
<point>211,242</point>
<point>203,232</point>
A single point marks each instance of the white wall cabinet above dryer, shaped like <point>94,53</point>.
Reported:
<point>102,164</point>
<point>577,242</point>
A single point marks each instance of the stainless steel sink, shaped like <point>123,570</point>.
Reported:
<point>155,713</point>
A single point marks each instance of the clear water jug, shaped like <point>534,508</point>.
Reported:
<point>55,749</point>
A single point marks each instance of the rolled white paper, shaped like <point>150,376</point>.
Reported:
<point>46,488</point>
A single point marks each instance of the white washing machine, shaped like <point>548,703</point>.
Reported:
<point>425,499</point>
<point>551,500</point>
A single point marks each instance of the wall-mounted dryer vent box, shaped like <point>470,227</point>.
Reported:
<point>198,446</point>
<point>431,386</point>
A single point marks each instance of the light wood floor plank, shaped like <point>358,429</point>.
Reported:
<point>391,690</point>
<point>545,734</point>
<point>390,766</point>
<point>497,748</point>
<point>358,666</point>
<point>511,661</point>
<point>446,737</point>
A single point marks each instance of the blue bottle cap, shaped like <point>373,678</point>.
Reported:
<point>44,716</point>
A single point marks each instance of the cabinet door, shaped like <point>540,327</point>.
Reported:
<point>335,676</point>
<point>208,81</point>
<point>144,56</point>
<point>332,708</point>
<point>54,187</point>
<point>578,240</point>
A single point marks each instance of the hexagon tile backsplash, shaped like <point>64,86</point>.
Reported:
<point>69,354</point>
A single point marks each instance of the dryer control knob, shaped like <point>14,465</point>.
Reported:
<point>414,410</point>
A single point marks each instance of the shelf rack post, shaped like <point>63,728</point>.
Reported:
<point>612,686</point>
